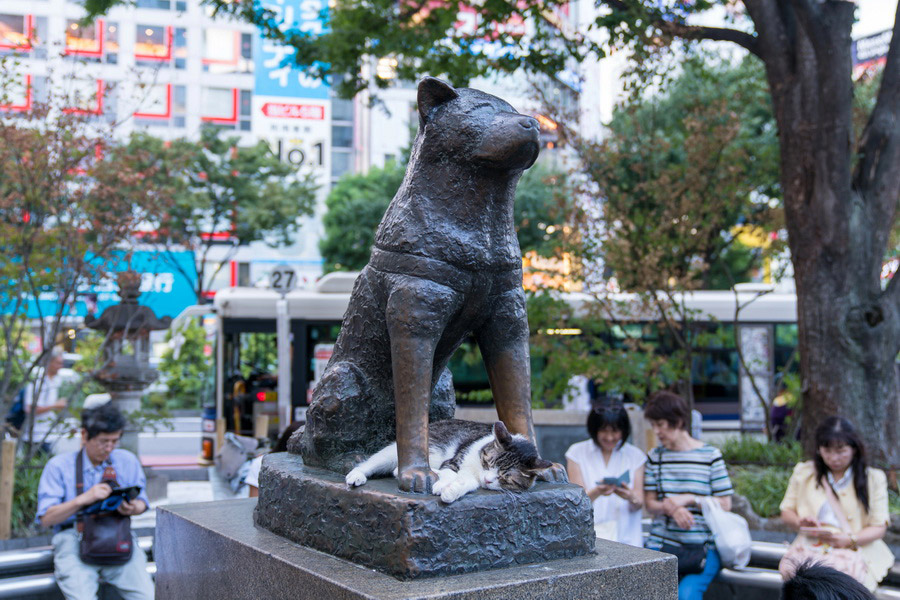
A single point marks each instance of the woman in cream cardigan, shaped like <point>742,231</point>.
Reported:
<point>860,491</point>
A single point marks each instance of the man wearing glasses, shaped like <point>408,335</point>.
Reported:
<point>59,501</point>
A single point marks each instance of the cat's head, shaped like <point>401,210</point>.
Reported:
<point>510,462</point>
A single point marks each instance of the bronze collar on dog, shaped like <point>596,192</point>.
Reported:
<point>438,271</point>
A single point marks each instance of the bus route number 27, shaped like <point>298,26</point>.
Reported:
<point>283,279</point>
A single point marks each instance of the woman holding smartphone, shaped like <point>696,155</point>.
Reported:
<point>839,506</point>
<point>611,471</point>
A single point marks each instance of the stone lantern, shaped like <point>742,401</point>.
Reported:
<point>125,370</point>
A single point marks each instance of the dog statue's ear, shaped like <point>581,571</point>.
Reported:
<point>432,93</point>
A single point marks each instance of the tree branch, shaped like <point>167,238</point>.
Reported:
<point>879,146</point>
<point>696,32</point>
<point>775,42</point>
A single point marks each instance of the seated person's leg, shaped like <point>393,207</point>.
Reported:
<point>76,580</point>
<point>131,580</point>
<point>692,587</point>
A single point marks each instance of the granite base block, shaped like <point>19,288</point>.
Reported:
<point>213,551</point>
<point>417,535</point>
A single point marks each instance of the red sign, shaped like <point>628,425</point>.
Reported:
<point>293,111</point>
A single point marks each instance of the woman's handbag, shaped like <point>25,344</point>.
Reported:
<point>731,532</point>
<point>106,535</point>
<point>803,550</point>
<point>691,557</point>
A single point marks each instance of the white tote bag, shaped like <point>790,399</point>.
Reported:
<point>731,532</point>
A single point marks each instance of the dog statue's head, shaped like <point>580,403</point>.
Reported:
<point>469,125</point>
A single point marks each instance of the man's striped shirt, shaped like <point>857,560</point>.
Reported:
<point>700,472</point>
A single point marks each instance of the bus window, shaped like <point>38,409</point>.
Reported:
<point>251,379</point>
<point>320,339</point>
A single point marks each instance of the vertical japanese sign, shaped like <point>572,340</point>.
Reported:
<point>292,113</point>
<point>274,73</point>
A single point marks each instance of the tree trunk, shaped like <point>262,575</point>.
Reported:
<point>838,226</point>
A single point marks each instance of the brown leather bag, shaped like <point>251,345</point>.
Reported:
<point>105,536</point>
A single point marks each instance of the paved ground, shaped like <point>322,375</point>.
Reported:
<point>185,492</point>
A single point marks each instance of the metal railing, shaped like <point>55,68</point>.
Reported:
<point>25,573</point>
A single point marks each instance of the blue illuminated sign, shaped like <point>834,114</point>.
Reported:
<point>274,75</point>
<point>164,287</point>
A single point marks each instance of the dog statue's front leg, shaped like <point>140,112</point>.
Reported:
<point>412,360</point>
<point>504,345</point>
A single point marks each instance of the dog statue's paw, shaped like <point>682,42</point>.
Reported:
<point>556,473</point>
<point>417,480</point>
<point>355,478</point>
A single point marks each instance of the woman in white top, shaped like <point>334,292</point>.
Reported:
<point>608,456</point>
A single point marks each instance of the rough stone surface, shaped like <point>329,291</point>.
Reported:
<point>414,535</point>
<point>213,551</point>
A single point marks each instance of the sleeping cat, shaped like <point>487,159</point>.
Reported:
<point>466,456</point>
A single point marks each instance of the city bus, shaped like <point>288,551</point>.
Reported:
<point>246,356</point>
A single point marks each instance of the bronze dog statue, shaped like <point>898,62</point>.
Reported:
<point>446,263</point>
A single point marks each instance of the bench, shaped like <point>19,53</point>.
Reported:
<point>764,575</point>
<point>29,573</point>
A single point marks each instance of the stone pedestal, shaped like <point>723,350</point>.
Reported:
<point>213,551</point>
<point>416,535</point>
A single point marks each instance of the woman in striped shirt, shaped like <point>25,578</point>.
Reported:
<point>678,472</point>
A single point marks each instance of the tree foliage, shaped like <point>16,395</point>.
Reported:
<point>221,187</point>
<point>70,199</point>
<point>354,208</point>
<point>186,367</point>
<point>679,171</point>
<point>840,190</point>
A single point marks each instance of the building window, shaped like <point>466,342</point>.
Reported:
<point>19,95</point>
<point>153,44</point>
<point>243,274</point>
<point>17,32</point>
<point>95,42</point>
<point>341,109</point>
<point>179,49</point>
<point>220,105</point>
<point>227,51</point>
<point>162,105</point>
<point>342,136</point>
<point>246,110</point>
<point>341,162</point>
<point>157,4</point>
<point>178,5</point>
<point>85,96</point>
<point>23,34</point>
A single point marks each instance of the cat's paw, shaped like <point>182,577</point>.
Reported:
<point>453,492</point>
<point>355,478</point>
<point>440,485</point>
